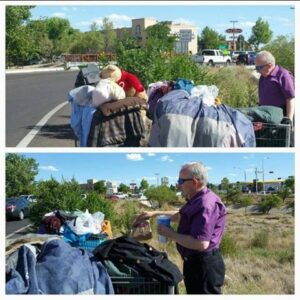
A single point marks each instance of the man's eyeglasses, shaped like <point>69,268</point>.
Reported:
<point>182,180</point>
<point>259,68</point>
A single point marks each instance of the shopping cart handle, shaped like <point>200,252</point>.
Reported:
<point>287,121</point>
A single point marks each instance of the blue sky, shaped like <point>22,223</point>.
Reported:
<point>131,166</point>
<point>280,17</point>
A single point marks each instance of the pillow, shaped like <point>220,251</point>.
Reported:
<point>127,104</point>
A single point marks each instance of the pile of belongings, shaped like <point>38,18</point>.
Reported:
<point>102,116</point>
<point>185,115</point>
<point>80,229</point>
<point>46,264</point>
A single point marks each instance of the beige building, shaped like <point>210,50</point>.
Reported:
<point>187,34</point>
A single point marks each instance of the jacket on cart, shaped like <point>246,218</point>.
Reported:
<point>148,261</point>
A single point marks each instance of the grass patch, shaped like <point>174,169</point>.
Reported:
<point>260,239</point>
<point>229,246</point>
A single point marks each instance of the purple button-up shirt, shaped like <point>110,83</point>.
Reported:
<point>276,88</point>
<point>202,217</point>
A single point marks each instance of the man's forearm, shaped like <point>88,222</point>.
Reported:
<point>188,241</point>
<point>290,108</point>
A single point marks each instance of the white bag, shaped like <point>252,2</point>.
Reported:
<point>107,90</point>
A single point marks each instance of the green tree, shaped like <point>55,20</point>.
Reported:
<point>18,46</point>
<point>144,184</point>
<point>109,35</point>
<point>283,49</point>
<point>290,183</point>
<point>225,183</point>
<point>20,174</point>
<point>261,33</point>
<point>210,39</point>
<point>268,202</point>
<point>89,42</point>
<point>123,188</point>
<point>284,193</point>
<point>159,37</point>
<point>161,194</point>
<point>100,187</point>
<point>246,201</point>
<point>59,32</point>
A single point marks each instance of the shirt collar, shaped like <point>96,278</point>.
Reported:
<point>275,71</point>
<point>199,193</point>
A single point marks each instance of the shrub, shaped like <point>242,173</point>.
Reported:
<point>269,202</point>
<point>286,256</point>
<point>53,195</point>
<point>95,203</point>
<point>237,88</point>
<point>161,194</point>
<point>123,221</point>
<point>228,246</point>
<point>283,50</point>
<point>260,239</point>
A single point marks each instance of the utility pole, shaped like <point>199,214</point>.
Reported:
<point>233,34</point>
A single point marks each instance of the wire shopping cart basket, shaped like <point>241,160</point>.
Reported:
<point>141,285</point>
<point>272,135</point>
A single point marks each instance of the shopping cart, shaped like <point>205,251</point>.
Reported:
<point>140,285</point>
<point>272,135</point>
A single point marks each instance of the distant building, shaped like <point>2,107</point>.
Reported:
<point>164,181</point>
<point>111,188</point>
<point>187,41</point>
<point>89,185</point>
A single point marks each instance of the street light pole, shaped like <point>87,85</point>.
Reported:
<point>233,22</point>
<point>157,174</point>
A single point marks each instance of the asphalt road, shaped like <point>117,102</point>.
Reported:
<point>14,225</point>
<point>29,97</point>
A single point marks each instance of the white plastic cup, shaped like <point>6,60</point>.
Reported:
<point>164,220</point>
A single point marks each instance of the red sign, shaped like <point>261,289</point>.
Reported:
<point>234,30</point>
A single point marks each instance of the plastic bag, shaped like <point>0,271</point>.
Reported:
<point>207,93</point>
<point>142,231</point>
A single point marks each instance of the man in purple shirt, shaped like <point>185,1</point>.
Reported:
<point>276,84</point>
<point>199,233</point>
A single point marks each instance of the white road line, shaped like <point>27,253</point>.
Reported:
<point>15,232</point>
<point>33,132</point>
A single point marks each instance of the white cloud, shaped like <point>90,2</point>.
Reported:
<point>232,174</point>
<point>48,168</point>
<point>151,154</point>
<point>117,20</point>
<point>59,15</point>
<point>246,24</point>
<point>183,21</point>
<point>166,158</point>
<point>134,157</point>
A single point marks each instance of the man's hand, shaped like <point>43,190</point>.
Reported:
<point>165,231</point>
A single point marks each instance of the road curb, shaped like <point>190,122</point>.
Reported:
<point>21,71</point>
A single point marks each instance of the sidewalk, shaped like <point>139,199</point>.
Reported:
<point>39,68</point>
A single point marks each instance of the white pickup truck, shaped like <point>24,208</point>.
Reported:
<point>212,57</point>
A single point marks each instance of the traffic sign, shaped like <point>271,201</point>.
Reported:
<point>234,30</point>
<point>186,35</point>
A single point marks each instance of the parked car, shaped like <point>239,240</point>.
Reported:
<point>118,196</point>
<point>247,58</point>
<point>271,190</point>
<point>235,54</point>
<point>18,207</point>
<point>212,57</point>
